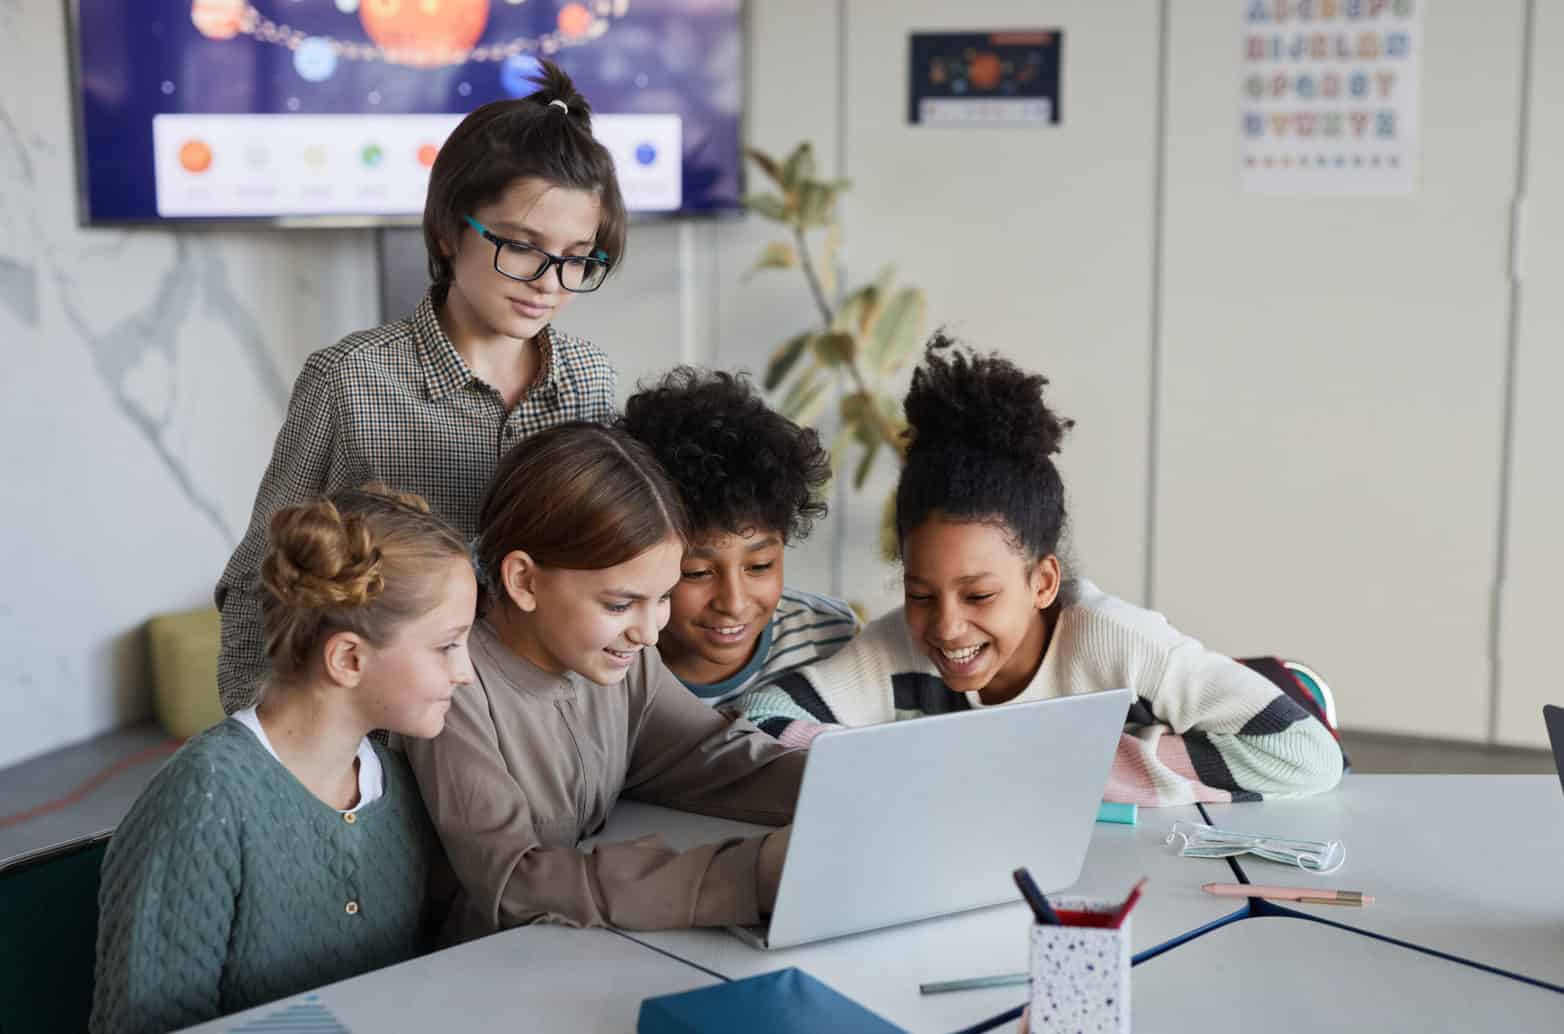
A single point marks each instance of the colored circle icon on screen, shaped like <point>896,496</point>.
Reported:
<point>645,154</point>
<point>575,20</point>
<point>315,156</point>
<point>372,155</point>
<point>517,73</point>
<point>195,156</point>
<point>424,33</point>
<point>427,154</point>
<point>217,19</point>
<point>315,60</point>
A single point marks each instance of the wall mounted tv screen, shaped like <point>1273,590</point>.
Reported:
<point>308,111</point>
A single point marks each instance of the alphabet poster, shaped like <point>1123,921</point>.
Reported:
<point>1329,96</point>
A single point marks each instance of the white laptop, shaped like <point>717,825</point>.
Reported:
<point>916,819</point>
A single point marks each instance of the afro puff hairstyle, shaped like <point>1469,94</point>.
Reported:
<point>980,439</point>
<point>738,463</point>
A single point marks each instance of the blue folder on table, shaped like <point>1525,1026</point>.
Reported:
<point>788,1001</point>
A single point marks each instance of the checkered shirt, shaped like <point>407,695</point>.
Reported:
<point>395,404</point>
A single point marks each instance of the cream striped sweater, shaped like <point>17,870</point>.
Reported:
<point>1203,727</point>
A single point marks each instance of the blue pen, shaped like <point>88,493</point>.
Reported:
<point>1040,907</point>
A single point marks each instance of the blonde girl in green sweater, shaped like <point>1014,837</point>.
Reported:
<point>282,849</point>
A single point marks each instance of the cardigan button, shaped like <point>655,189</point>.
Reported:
<point>350,818</point>
<point>352,908</point>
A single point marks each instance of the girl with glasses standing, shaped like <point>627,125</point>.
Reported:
<point>523,213</point>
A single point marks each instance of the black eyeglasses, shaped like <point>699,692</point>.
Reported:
<point>519,260</point>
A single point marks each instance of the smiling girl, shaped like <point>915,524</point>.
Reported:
<point>580,550</point>
<point>991,618</point>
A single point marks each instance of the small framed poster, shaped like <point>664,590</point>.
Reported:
<point>968,79</point>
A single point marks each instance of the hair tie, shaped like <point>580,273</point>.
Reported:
<point>561,105</point>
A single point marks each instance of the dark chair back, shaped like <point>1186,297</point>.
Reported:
<point>48,936</point>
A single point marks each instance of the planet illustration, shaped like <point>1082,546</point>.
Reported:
<point>415,33</point>
<point>217,19</point>
<point>315,60</point>
<point>984,70</point>
<point>517,73</point>
<point>575,20</point>
<point>424,33</point>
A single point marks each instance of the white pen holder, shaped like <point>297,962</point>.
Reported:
<point>1081,974</point>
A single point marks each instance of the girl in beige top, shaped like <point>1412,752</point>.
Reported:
<point>580,544</point>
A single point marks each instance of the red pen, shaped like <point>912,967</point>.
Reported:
<point>1129,902</point>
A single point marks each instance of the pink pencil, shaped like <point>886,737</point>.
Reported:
<point>1303,895</point>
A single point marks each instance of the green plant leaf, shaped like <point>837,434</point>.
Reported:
<point>813,402</point>
<point>830,249</point>
<point>784,359</point>
<point>899,330</point>
<point>849,315</point>
<point>778,255</point>
<point>894,421</point>
<point>768,205</point>
<point>800,166</point>
<point>802,385</point>
<point>874,299</point>
<point>767,164</point>
<point>851,408</point>
<point>816,204</point>
<point>835,347</point>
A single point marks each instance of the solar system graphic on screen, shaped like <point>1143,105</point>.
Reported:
<point>225,109</point>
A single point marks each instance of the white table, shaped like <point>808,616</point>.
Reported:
<point>1469,865</point>
<point>1289,974</point>
<point>882,969</point>
<point>544,978</point>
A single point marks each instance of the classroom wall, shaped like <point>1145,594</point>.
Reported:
<point>145,375</point>
<point>1530,566</point>
<point>1332,386</point>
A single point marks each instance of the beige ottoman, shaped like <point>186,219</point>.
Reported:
<point>182,649</point>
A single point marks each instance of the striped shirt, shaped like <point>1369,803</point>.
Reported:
<point>804,628</point>
<point>395,404</point>
<point>1203,727</point>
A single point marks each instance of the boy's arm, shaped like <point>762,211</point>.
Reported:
<point>300,470</point>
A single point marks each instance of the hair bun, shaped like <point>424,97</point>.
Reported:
<point>320,559</point>
<point>411,500</point>
<point>960,399</point>
<point>555,85</point>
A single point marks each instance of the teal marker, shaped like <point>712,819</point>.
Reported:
<point>1124,814</point>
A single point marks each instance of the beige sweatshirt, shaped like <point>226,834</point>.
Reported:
<point>531,763</point>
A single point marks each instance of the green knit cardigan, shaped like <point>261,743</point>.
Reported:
<point>230,885</point>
